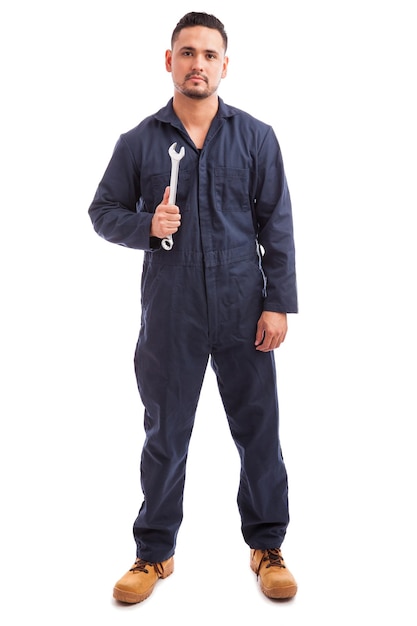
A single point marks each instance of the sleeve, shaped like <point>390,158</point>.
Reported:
<point>113,210</point>
<point>275,229</point>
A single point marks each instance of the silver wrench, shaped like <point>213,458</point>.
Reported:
<point>168,242</point>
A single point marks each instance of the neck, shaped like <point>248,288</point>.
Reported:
<point>196,115</point>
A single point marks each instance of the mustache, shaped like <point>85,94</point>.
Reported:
<point>193,74</point>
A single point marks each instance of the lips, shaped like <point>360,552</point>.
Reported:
<point>197,77</point>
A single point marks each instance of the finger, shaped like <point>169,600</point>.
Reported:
<point>264,344</point>
<point>270,342</point>
<point>267,343</point>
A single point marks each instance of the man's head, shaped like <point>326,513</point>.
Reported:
<point>197,60</point>
<point>199,19</point>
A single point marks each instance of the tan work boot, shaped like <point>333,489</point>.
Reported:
<point>138,583</point>
<point>275,579</point>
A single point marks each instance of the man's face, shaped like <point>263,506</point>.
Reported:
<point>197,62</point>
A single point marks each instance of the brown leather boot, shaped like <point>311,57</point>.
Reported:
<point>275,579</point>
<point>138,583</point>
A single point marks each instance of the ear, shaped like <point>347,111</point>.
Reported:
<point>168,61</point>
<point>225,64</point>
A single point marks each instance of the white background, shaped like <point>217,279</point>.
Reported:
<point>337,82</point>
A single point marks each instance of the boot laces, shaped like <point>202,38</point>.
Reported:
<point>274,558</point>
<point>140,566</point>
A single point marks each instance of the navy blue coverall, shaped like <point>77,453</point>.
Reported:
<point>233,256</point>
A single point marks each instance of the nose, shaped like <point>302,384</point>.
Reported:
<point>198,62</point>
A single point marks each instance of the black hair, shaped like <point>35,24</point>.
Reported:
<point>199,19</point>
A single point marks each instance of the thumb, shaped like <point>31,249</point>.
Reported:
<point>165,199</point>
<point>260,332</point>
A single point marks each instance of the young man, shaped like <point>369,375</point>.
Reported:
<point>222,291</point>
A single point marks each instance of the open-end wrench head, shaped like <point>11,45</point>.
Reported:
<point>176,156</point>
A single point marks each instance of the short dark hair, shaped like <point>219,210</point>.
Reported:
<point>199,19</point>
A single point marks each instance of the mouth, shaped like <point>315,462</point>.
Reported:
<point>196,77</point>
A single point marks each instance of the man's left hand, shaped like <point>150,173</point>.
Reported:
<point>271,331</point>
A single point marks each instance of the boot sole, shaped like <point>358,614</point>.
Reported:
<point>282,593</point>
<point>130,597</point>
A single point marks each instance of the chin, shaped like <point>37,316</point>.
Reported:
<point>196,95</point>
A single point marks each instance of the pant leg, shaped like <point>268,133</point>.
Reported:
<point>170,362</point>
<point>248,387</point>
<point>247,384</point>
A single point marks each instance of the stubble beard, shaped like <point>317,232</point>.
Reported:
<point>195,93</point>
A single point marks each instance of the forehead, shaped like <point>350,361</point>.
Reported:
<point>199,38</point>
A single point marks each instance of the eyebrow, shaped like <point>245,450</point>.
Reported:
<point>191,49</point>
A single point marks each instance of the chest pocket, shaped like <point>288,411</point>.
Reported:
<point>231,189</point>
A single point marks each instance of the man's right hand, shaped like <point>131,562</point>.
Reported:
<point>167,218</point>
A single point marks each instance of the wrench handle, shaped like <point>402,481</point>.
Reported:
<point>173,182</point>
<point>168,242</point>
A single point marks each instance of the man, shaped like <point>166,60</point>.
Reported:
<point>222,291</point>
